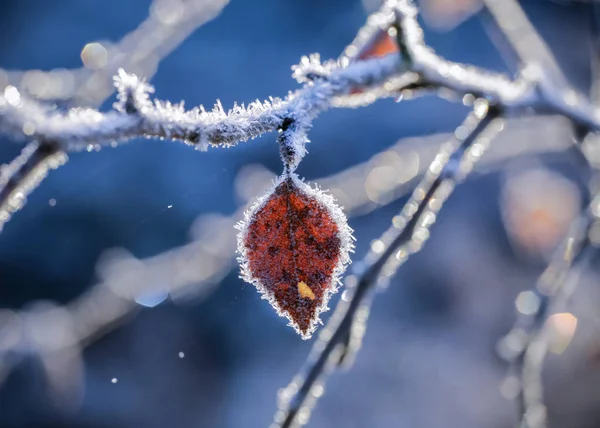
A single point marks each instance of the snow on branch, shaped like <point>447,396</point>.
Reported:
<point>342,336</point>
<point>196,268</point>
<point>326,84</point>
<point>136,115</point>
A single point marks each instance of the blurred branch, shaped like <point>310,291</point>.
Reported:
<point>523,39</point>
<point>416,67</point>
<point>192,271</point>
<point>525,346</point>
<point>24,173</point>
<point>553,289</point>
<point>342,335</point>
<point>169,23</point>
<point>538,62</point>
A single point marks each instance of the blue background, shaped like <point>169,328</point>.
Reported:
<point>238,353</point>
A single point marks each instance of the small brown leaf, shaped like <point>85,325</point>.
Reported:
<point>381,45</point>
<point>294,245</point>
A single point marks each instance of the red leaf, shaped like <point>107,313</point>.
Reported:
<point>381,45</point>
<point>294,245</point>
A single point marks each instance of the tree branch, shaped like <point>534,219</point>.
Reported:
<point>137,116</point>
<point>20,177</point>
<point>343,334</point>
<point>525,346</point>
<point>409,231</point>
<point>195,269</point>
<point>529,47</point>
<point>141,50</point>
<point>415,69</point>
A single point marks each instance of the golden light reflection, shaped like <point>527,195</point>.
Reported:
<point>305,291</point>
<point>561,328</point>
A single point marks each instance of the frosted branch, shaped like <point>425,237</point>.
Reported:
<point>415,69</point>
<point>421,68</point>
<point>195,269</point>
<point>169,23</point>
<point>24,173</point>
<point>329,84</point>
<point>138,116</point>
<point>342,335</point>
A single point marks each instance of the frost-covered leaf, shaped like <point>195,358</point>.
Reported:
<point>294,245</point>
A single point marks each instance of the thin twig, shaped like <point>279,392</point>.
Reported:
<point>23,175</point>
<point>407,235</point>
<point>525,345</point>
<point>196,268</point>
<point>521,36</point>
<point>342,337</point>
<point>530,397</point>
<point>538,63</point>
<point>416,68</point>
<point>141,50</point>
